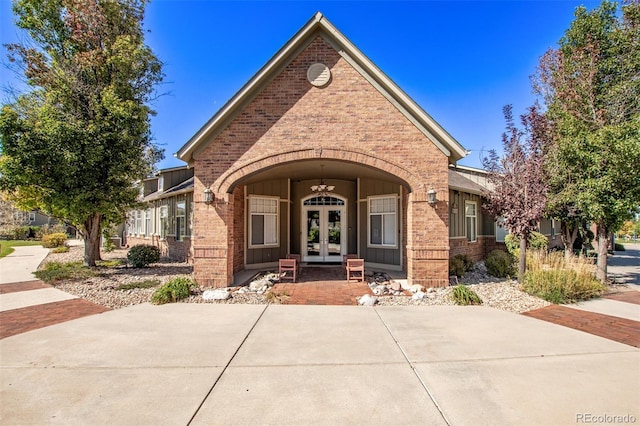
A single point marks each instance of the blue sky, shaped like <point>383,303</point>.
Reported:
<point>461,61</point>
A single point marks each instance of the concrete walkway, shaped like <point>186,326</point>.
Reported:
<point>624,266</point>
<point>19,265</point>
<point>28,304</point>
<point>183,364</point>
<point>208,364</point>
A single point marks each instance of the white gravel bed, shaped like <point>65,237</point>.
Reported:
<point>103,289</point>
<point>503,295</point>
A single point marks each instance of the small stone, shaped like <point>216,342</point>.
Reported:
<point>395,286</point>
<point>416,288</point>
<point>218,294</point>
<point>418,295</point>
<point>367,300</point>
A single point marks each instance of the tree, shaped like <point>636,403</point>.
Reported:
<point>591,88</point>
<point>518,185</point>
<point>77,142</point>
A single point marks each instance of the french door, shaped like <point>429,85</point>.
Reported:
<point>323,230</point>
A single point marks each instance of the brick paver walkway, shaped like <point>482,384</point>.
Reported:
<point>321,286</point>
<point>16,321</point>
<point>23,286</point>
<point>621,330</point>
<point>625,296</point>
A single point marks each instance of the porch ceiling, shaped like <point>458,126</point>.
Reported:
<point>331,169</point>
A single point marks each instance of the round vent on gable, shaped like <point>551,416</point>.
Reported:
<point>318,74</point>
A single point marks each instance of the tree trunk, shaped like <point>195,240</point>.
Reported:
<point>522,265</point>
<point>569,235</point>
<point>92,239</point>
<point>603,249</point>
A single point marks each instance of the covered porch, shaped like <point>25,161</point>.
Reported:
<point>320,210</point>
<point>321,285</point>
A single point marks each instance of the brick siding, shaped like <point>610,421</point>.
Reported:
<point>347,120</point>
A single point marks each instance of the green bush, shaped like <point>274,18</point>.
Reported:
<point>456,267</point>
<point>173,291</point>
<point>459,264</point>
<point>561,285</point>
<point>53,240</point>
<point>57,271</point>
<point>61,249</point>
<point>499,264</point>
<point>536,241</point>
<point>619,247</point>
<point>463,295</point>
<point>141,255</point>
<point>51,229</point>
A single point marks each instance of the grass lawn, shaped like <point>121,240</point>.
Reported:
<point>8,245</point>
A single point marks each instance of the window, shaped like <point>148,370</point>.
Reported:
<point>160,183</point>
<point>471,220</point>
<point>32,216</point>
<point>180,220</point>
<point>383,221</point>
<point>164,221</point>
<point>139,229</point>
<point>553,229</point>
<point>263,221</point>
<point>147,222</point>
<point>501,230</point>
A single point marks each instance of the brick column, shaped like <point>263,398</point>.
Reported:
<point>213,260</point>
<point>427,240</point>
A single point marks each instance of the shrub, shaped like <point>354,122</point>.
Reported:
<point>499,264</point>
<point>463,295</point>
<point>61,249</point>
<point>456,267</point>
<point>619,247</point>
<point>51,229</point>
<point>53,240</point>
<point>57,271</point>
<point>141,255</point>
<point>536,241</point>
<point>561,285</point>
<point>468,263</point>
<point>173,291</point>
<point>557,279</point>
<point>108,245</point>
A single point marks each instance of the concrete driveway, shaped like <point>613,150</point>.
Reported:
<point>210,364</point>
<point>624,266</point>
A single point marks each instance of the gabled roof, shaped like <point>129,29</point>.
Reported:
<point>319,25</point>
<point>181,188</point>
<point>459,182</point>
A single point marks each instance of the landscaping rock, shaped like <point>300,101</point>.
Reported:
<point>367,300</point>
<point>416,288</point>
<point>217,294</point>
<point>418,295</point>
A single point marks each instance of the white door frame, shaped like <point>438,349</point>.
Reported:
<point>324,230</point>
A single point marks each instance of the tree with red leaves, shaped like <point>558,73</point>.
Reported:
<point>519,187</point>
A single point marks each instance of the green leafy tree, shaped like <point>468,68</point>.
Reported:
<point>591,87</point>
<point>75,144</point>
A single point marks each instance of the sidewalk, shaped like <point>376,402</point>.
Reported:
<point>19,265</point>
<point>28,304</point>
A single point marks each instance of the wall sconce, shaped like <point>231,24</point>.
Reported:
<point>431,196</point>
<point>208,196</point>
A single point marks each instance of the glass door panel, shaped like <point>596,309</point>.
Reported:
<point>313,232</point>
<point>334,237</point>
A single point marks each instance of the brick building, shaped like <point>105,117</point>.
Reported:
<point>322,155</point>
